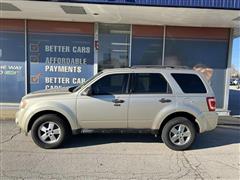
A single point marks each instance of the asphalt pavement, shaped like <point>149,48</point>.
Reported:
<point>214,155</point>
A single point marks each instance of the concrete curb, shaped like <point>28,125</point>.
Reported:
<point>229,120</point>
<point>7,114</point>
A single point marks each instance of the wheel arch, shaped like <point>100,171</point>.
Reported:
<point>43,112</point>
<point>187,115</point>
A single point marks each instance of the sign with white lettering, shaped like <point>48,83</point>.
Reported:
<point>12,66</point>
<point>59,60</point>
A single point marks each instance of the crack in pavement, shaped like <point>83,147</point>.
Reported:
<point>203,168</point>
<point>193,168</point>
<point>224,164</point>
<point>14,135</point>
<point>184,168</point>
<point>4,175</point>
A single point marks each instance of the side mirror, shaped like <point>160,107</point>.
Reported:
<point>87,92</point>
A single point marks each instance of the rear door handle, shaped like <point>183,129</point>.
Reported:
<point>118,101</point>
<point>163,100</point>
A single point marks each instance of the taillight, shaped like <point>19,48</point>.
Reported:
<point>211,102</point>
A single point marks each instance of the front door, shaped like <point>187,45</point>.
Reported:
<point>107,104</point>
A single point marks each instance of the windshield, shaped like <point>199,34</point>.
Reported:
<point>76,88</point>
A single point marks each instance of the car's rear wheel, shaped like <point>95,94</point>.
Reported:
<point>178,133</point>
<point>49,131</point>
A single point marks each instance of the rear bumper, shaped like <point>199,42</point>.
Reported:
<point>208,121</point>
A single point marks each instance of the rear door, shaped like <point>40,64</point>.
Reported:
<point>150,93</point>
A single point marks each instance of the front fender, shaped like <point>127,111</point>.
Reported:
<point>51,106</point>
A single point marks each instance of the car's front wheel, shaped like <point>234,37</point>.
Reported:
<point>49,131</point>
<point>178,133</point>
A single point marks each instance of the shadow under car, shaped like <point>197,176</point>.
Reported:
<point>221,136</point>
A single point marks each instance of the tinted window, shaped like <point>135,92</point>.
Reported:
<point>110,84</point>
<point>150,83</point>
<point>189,83</point>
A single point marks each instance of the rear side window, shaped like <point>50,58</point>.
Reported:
<point>150,83</point>
<point>189,83</point>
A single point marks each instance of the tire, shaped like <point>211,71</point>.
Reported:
<point>49,131</point>
<point>178,133</point>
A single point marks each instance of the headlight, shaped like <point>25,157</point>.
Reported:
<point>23,104</point>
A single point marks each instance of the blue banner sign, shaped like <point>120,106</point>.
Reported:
<point>12,66</point>
<point>59,60</point>
<point>221,4</point>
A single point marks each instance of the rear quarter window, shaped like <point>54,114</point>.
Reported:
<point>189,83</point>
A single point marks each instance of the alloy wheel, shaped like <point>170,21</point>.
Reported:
<point>49,132</point>
<point>180,134</point>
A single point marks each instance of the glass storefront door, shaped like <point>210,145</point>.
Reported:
<point>114,44</point>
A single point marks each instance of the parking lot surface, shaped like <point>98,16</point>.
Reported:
<point>215,155</point>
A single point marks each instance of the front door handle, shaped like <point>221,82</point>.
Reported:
<point>118,101</point>
<point>163,100</point>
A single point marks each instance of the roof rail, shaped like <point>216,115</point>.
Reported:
<point>159,66</point>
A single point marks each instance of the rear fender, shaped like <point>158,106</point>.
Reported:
<point>168,110</point>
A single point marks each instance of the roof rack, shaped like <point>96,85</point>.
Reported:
<point>159,66</point>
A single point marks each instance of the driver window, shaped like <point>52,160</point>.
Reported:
<point>110,84</point>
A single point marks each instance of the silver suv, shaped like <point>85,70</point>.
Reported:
<point>173,103</point>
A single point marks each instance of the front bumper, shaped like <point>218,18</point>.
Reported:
<point>19,120</point>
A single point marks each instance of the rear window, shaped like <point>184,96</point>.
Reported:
<point>189,83</point>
